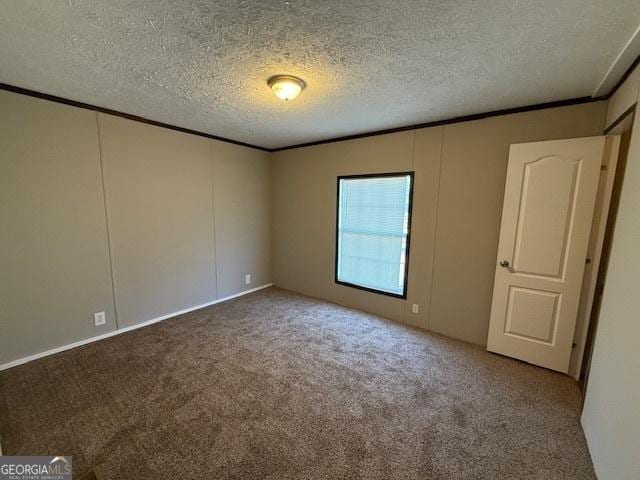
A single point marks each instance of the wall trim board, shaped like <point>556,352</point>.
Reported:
<point>435,123</point>
<point>449,121</point>
<point>128,116</point>
<point>626,73</point>
<point>617,121</point>
<point>107,223</point>
<point>624,77</point>
<point>46,353</point>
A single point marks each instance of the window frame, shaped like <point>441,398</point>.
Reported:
<point>411,176</point>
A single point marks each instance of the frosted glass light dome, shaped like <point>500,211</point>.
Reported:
<point>286,87</point>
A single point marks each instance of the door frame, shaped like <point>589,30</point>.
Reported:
<point>621,126</point>
<point>594,252</point>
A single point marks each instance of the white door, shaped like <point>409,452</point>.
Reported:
<point>546,221</point>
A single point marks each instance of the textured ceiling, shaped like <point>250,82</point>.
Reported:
<point>369,65</point>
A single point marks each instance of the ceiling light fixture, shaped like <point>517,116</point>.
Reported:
<point>286,87</point>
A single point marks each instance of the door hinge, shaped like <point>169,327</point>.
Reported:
<point>587,261</point>
<point>603,168</point>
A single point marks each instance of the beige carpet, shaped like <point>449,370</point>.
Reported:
<point>275,385</point>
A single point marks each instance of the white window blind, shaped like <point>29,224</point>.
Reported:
<point>373,225</point>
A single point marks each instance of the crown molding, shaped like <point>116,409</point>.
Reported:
<point>128,116</point>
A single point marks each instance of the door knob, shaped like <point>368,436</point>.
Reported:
<point>504,264</point>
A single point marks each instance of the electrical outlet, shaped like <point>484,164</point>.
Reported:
<point>99,318</point>
<point>247,279</point>
<point>415,308</point>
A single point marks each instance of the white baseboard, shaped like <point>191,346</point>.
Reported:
<point>20,361</point>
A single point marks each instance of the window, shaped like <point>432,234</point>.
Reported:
<point>372,235</point>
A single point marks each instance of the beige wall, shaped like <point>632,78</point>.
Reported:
<point>611,415</point>
<point>242,200</point>
<point>188,217</point>
<point>54,258</point>
<point>460,172</point>
<point>304,202</point>
<point>160,212</point>
<point>624,97</point>
<point>168,247</point>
